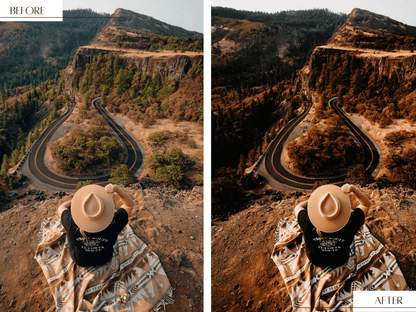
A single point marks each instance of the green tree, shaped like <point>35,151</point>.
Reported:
<point>87,98</point>
<point>4,167</point>
<point>109,75</point>
<point>119,83</point>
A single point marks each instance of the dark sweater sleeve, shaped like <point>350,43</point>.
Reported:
<point>66,221</point>
<point>303,220</point>
<point>357,219</point>
<point>121,219</point>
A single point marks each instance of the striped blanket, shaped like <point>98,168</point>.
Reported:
<point>370,267</point>
<point>133,280</point>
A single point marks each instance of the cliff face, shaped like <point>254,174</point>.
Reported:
<point>401,65</point>
<point>168,64</point>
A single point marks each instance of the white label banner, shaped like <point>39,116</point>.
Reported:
<point>380,300</point>
<point>31,11</point>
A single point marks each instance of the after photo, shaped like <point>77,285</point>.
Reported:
<point>313,153</point>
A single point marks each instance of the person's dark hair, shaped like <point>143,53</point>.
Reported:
<point>84,234</point>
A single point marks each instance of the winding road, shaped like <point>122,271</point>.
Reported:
<point>278,172</point>
<point>44,174</point>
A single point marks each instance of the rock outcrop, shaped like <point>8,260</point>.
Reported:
<point>168,64</point>
<point>401,64</point>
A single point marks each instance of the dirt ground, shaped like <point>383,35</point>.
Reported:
<point>378,133</point>
<point>243,275</point>
<point>191,129</point>
<point>143,53</point>
<point>169,221</point>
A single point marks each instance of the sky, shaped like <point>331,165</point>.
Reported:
<point>187,14</point>
<point>400,10</point>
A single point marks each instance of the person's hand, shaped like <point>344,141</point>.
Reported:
<point>347,188</point>
<point>111,188</point>
<point>303,204</point>
<point>66,204</point>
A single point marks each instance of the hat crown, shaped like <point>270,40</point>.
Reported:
<point>329,206</point>
<point>92,206</point>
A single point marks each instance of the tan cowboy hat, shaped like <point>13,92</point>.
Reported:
<point>92,208</point>
<point>329,208</point>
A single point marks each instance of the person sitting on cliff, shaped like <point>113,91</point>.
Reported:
<point>329,225</point>
<point>92,224</point>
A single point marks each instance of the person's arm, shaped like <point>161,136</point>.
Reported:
<point>365,203</point>
<point>63,207</point>
<point>128,202</point>
<point>301,206</point>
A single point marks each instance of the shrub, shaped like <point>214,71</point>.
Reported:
<point>11,182</point>
<point>358,175</point>
<point>83,183</point>
<point>198,179</point>
<point>154,161</point>
<point>323,151</point>
<point>122,175</point>
<point>402,166</point>
<point>170,168</point>
<point>176,157</point>
<point>170,174</point>
<point>226,193</point>
<point>159,137</point>
<point>81,150</point>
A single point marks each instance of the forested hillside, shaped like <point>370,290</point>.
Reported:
<point>374,77</point>
<point>24,43</point>
<point>34,52</point>
<point>368,63</point>
<point>32,86</point>
<point>253,83</point>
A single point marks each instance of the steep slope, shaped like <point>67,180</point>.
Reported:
<point>131,30</point>
<point>132,21</point>
<point>370,30</point>
<point>23,43</point>
<point>255,57</point>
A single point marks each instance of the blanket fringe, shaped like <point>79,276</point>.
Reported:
<point>168,299</point>
<point>277,234</point>
<point>42,235</point>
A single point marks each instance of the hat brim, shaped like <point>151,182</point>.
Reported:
<point>318,220</point>
<point>84,223</point>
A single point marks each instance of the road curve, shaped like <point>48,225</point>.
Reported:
<point>44,174</point>
<point>278,172</point>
